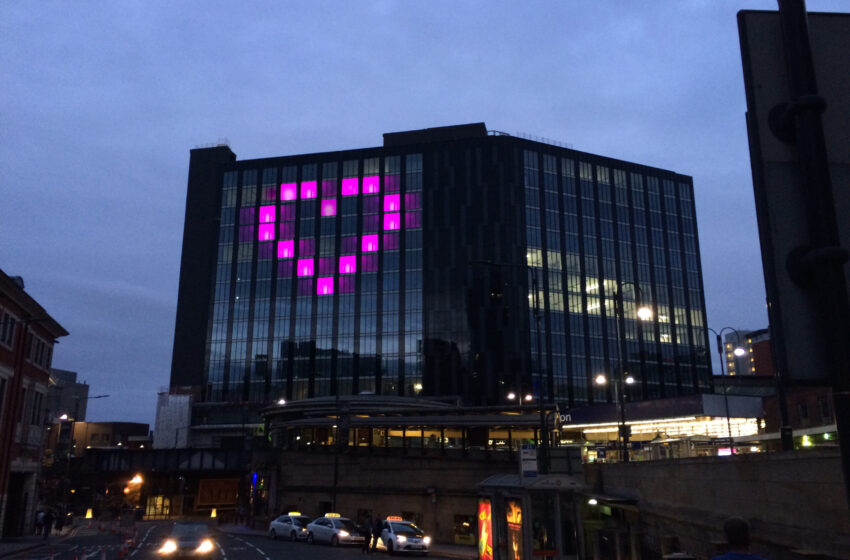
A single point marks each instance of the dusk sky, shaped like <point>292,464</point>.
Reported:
<point>101,102</point>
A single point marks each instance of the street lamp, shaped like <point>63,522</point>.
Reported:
<point>738,351</point>
<point>644,313</point>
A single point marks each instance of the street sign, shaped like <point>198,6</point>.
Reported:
<point>528,460</point>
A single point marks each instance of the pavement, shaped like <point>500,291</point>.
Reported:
<point>445,550</point>
<point>14,545</point>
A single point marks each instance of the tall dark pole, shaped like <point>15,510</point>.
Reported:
<point>824,261</point>
<point>723,379</point>
<point>620,378</point>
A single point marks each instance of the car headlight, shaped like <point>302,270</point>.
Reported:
<point>168,547</point>
<point>401,538</point>
<point>343,533</point>
<point>427,540</point>
<point>205,546</point>
<point>303,529</point>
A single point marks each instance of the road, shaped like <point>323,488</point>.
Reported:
<point>91,544</point>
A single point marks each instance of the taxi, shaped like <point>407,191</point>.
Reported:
<point>399,535</point>
<point>292,526</point>
<point>334,530</point>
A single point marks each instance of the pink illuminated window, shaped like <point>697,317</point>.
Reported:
<point>325,286</point>
<point>287,212</point>
<point>284,269</point>
<point>371,184</point>
<point>306,247</point>
<point>246,233</point>
<point>391,183</point>
<point>349,186</point>
<point>266,232</point>
<point>411,201</point>
<point>392,202</point>
<point>390,241</point>
<point>305,286</point>
<point>287,229</point>
<point>288,191</point>
<point>348,264</point>
<point>308,189</point>
<point>371,223</point>
<point>369,244</point>
<point>349,244</point>
<point>326,266</point>
<point>305,267</point>
<point>246,216</point>
<point>265,251</point>
<point>286,249</point>
<point>267,214</point>
<point>413,220</point>
<point>369,263</point>
<point>392,221</point>
<point>329,207</point>
<point>346,284</point>
<point>329,187</point>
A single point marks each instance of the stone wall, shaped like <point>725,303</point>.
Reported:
<point>794,501</point>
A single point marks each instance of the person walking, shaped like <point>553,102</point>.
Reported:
<point>366,529</point>
<point>48,523</point>
<point>377,527</point>
<point>39,522</point>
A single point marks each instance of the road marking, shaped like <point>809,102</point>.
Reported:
<point>141,542</point>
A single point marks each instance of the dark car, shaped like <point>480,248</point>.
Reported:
<point>189,539</point>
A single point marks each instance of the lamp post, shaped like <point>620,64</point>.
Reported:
<point>738,351</point>
<point>644,313</point>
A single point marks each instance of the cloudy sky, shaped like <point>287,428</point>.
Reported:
<point>101,102</point>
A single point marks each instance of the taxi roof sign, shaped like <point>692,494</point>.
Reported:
<point>394,518</point>
<point>332,515</point>
<point>293,513</point>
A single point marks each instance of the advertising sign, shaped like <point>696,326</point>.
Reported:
<point>513,514</point>
<point>485,530</point>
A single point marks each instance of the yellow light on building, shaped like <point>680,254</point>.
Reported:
<point>214,513</point>
<point>89,513</point>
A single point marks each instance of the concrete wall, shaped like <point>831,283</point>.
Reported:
<point>793,500</point>
<point>437,488</point>
<point>173,417</point>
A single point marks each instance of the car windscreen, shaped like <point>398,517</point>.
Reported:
<point>346,524</point>
<point>300,521</point>
<point>189,530</point>
<point>405,529</point>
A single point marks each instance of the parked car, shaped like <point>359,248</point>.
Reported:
<point>334,530</point>
<point>189,539</point>
<point>292,526</point>
<point>399,535</point>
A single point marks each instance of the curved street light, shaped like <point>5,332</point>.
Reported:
<point>738,351</point>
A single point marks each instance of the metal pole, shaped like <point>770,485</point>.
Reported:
<point>825,261</point>
<point>725,389</point>
<point>620,379</point>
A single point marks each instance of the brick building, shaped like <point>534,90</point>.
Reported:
<point>27,336</point>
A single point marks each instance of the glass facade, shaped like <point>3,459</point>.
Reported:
<point>318,282</point>
<point>467,268</point>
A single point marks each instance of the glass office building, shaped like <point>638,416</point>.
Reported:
<point>449,263</point>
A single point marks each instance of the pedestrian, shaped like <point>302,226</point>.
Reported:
<point>39,522</point>
<point>366,529</point>
<point>60,521</point>
<point>377,527</point>
<point>48,523</point>
<point>737,532</point>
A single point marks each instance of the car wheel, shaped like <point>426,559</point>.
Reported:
<point>335,541</point>
<point>310,538</point>
<point>273,535</point>
<point>292,536</point>
<point>390,547</point>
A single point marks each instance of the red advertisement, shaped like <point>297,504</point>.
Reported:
<point>513,514</point>
<point>485,530</point>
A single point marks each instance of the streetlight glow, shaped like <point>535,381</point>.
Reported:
<point>528,397</point>
<point>644,313</point>
<point>739,351</point>
<point>281,402</point>
<point>601,379</point>
<point>511,396</point>
<point>630,380</point>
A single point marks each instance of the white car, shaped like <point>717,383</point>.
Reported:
<point>292,526</point>
<point>334,530</point>
<point>399,535</point>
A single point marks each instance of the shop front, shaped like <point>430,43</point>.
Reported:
<point>520,517</point>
